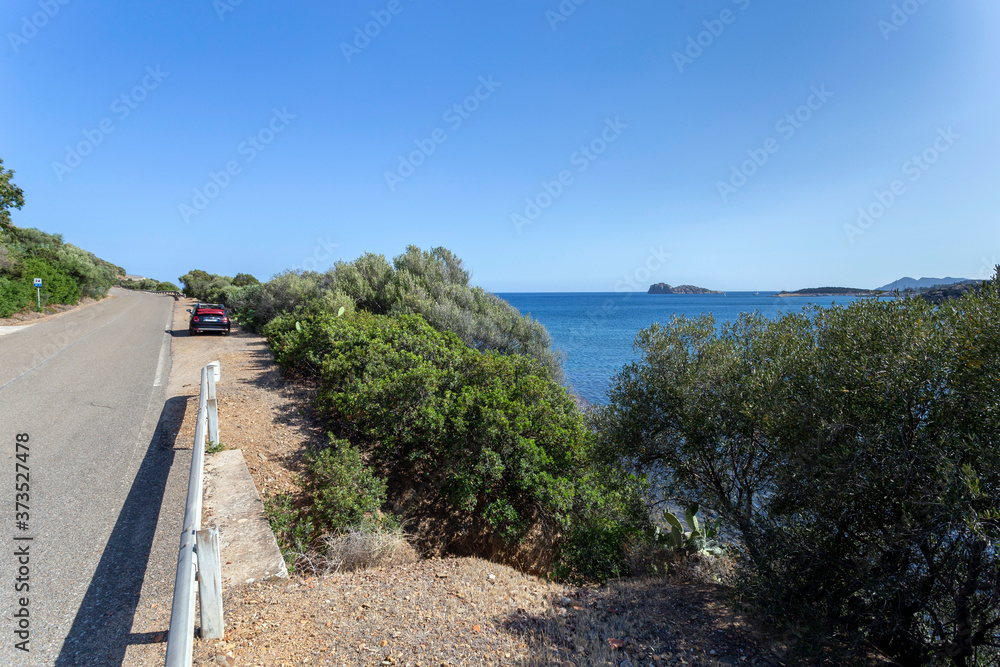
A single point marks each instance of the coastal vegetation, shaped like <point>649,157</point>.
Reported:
<point>147,284</point>
<point>67,272</point>
<point>854,451</point>
<point>845,460</point>
<point>453,398</point>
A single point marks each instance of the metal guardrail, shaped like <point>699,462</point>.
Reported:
<point>198,562</point>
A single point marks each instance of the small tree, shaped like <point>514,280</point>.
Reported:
<point>11,196</point>
<point>244,279</point>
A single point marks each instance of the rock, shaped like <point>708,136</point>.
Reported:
<point>664,288</point>
<point>225,660</point>
<point>564,601</point>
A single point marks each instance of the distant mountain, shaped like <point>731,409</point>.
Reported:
<point>911,283</point>
<point>664,288</point>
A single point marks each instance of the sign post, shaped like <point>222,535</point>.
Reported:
<point>38,286</point>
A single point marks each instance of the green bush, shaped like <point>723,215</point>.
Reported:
<point>345,493</point>
<point>93,276</point>
<point>292,528</point>
<point>857,452</point>
<point>433,284</point>
<point>150,284</point>
<point>493,435</point>
<point>57,287</point>
<point>15,296</point>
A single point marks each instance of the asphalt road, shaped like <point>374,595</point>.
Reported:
<point>87,388</point>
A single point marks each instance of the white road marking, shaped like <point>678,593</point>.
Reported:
<point>9,330</point>
<point>164,348</point>
<point>164,353</point>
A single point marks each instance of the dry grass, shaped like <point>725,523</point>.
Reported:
<point>358,549</point>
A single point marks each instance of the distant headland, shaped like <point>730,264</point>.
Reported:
<point>664,288</point>
<point>829,291</point>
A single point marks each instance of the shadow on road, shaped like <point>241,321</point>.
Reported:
<point>101,631</point>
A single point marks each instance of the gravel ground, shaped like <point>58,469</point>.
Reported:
<point>466,611</point>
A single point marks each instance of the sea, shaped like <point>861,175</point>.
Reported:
<point>596,330</point>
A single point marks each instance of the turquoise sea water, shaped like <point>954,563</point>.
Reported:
<point>596,330</point>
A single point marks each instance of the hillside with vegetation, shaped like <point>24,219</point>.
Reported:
<point>68,273</point>
<point>848,457</point>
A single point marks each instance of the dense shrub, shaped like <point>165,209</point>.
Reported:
<point>857,452</point>
<point>206,287</point>
<point>433,284</point>
<point>257,304</point>
<point>14,297</point>
<point>57,287</point>
<point>151,284</point>
<point>345,494</point>
<point>67,271</point>
<point>490,435</point>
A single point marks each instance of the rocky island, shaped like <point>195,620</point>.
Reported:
<point>829,291</point>
<point>664,288</point>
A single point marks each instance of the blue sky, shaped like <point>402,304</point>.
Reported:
<point>580,145</point>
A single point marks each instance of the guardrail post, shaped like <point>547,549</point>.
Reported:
<point>213,408</point>
<point>210,583</point>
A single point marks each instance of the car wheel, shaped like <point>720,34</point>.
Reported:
<point>191,332</point>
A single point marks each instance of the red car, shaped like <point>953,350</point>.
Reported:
<point>209,317</point>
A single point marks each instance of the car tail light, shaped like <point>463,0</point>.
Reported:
<point>195,318</point>
<point>225,320</point>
